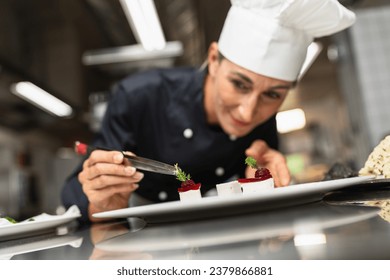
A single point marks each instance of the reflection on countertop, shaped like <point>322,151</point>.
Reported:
<point>371,195</point>
<point>290,232</point>
<point>349,224</point>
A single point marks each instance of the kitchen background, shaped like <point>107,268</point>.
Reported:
<point>78,49</point>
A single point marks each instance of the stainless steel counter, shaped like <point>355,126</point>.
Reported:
<point>348,224</point>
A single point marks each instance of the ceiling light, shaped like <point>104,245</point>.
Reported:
<point>131,53</point>
<point>313,51</point>
<point>144,22</point>
<point>290,120</point>
<point>42,99</point>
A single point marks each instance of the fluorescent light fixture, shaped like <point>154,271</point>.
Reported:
<point>143,19</point>
<point>42,99</point>
<point>131,54</point>
<point>290,120</point>
<point>313,51</point>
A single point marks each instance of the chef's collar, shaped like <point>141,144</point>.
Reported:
<point>271,37</point>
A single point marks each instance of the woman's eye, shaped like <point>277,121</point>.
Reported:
<point>272,94</point>
<point>240,85</point>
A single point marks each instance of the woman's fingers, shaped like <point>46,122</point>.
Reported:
<point>283,175</point>
<point>108,180</point>
<point>100,169</point>
<point>99,156</point>
<point>271,159</point>
<point>103,169</point>
<point>258,147</point>
<point>104,181</point>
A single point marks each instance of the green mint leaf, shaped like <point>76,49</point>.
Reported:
<point>250,161</point>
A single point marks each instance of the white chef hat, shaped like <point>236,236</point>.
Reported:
<point>271,37</point>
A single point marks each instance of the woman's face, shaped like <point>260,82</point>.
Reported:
<point>238,99</point>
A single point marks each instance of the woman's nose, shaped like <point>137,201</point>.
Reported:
<point>247,108</point>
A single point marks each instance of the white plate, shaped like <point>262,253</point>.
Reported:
<point>209,207</point>
<point>8,252</point>
<point>42,222</point>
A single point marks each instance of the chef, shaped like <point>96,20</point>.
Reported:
<point>207,121</point>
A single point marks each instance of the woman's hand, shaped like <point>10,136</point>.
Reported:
<point>108,180</point>
<point>271,159</point>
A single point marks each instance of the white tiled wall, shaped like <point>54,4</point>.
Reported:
<point>370,37</point>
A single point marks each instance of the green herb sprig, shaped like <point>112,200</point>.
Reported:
<point>181,175</point>
<point>250,161</point>
<point>9,219</point>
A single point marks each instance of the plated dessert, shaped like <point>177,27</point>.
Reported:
<point>229,188</point>
<point>262,181</point>
<point>189,190</point>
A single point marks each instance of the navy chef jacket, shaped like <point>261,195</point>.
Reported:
<point>160,115</point>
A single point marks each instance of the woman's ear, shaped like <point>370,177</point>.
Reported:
<point>213,58</point>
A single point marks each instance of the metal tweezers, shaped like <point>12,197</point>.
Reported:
<point>138,162</point>
<point>150,165</point>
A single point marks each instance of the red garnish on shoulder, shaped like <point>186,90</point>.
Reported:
<point>80,148</point>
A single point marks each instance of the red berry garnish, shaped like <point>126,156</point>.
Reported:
<point>186,183</point>
<point>263,174</point>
